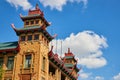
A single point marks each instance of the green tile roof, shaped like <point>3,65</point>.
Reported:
<point>8,45</point>
<point>35,15</point>
<point>69,65</point>
<point>67,57</point>
<point>28,28</point>
<point>69,70</point>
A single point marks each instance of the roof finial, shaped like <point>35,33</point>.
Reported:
<point>13,26</point>
<point>51,48</point>
<point>37,6</point>
<point>68,50</point>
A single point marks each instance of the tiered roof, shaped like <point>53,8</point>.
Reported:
<point>32,29</point>
<point>70,56</point>
<point>9,46</point>
<point>59,63</point>
<point>34,14</point>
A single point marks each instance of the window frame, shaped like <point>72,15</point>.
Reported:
<point>27,23</point>
<point>36,21</point>
<point>36,37</point>
<point>31,22</point>
<point>29,37</point>
<point>10,63</point>
<point>1,61</point>
<point>23,38</point>
<point>27,63</point>
<point>43,63</point>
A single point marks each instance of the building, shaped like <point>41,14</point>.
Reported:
<point>30,58</point>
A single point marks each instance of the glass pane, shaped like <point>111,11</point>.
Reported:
<point>37,21</point>
<point>27,23</point>
<point>22,38</point>
<point>36,37</point>
<point>43,64</point>
<point>1,61</point>
<point>32,22</point>
<point>29,37</point>
<point>10,63</point>
<point>27,61</point>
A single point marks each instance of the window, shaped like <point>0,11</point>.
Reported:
<point>43,64</point>
<point>1,61</point>
<point>32,22</point>
<point>52,69</point>
<point>10,62</point>
<point>27,23</point>
<point>63,77</point>
<point>37,21</point>
<point>36,37</point>
<point>29,37</point>
<point>27,61</point>
<point>22,38</point>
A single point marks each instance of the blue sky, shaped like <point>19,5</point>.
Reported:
<point>89,27</point>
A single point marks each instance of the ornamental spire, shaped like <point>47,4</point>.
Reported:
<point>37,6</point>
<point>68,50</point>
<point>36,11</point>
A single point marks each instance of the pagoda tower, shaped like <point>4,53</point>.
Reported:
<point>71,63</point>
<point>29,58</point>
<point>32,59</point>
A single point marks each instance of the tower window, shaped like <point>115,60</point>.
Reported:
<point>62,77</point>
<point>1,61</point>
<point>29,37</point>
<point>52,69</point>
<point>32,22</point>
<point>36,37</point>
<point>37,21</point>
<point>10,62</point>
<point>26,23</point>
<point>43,64</point>
<point>27,61</point>
<point>22,38</point>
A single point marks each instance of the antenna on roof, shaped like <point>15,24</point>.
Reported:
<point>56,44</point>
<point>51,34</point>
<point>61,47</point>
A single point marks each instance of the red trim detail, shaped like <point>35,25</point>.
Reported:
<point>56,59</point>
<point>36,11</point>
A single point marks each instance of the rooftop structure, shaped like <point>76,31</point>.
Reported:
<point>29,58</point>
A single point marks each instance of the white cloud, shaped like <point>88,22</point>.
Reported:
<point>58,4</point>
<point>116,77</point>
<point>86,46</point>
<point>88,76</point>
<point>99,78</point>
<point>93,62</point>
<point>20,3</point>
<point>84,76</point>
